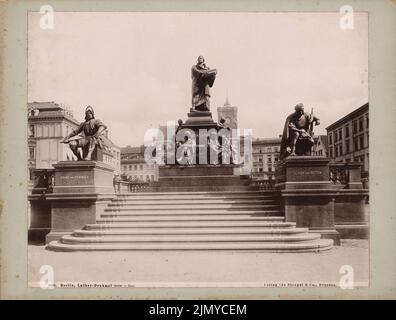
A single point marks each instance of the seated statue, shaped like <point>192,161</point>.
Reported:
<point>93,136</point>
<point>297,137</point>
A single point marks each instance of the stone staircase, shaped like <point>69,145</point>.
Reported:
<point>242,220</point>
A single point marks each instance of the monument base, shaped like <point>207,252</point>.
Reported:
<point>82,191</point>
<point>201,177</point>
<point>307,195</point>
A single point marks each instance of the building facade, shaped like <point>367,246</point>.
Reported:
<point>48,124</point>
<point>134,167</point>
<point>348,138</point>
<point>320,146</point>
<point>265,156</point>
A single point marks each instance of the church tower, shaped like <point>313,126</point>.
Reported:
<point>229,113</point>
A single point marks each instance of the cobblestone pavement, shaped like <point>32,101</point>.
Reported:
<point>232,268</point>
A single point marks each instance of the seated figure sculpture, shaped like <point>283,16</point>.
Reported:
<point>297,137</point>
<point>93,137</point>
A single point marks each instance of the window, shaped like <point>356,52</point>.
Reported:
<point>355,144</point>
<point>130,167</point>
<point>361,124</point>
<point>347,131</point>
<point>331,152</point>
<point>269,169</point>
<point>269,159</point>
<point>336,151</point>
<point>260,169</point>
<point>361,141</point>
<point>340,134</point>
<point>330,138</point>
<point>335,136</point>
<point>135,167</point>
<point>31,153</point>
<point>354,126</point>
<point>260,159</point>
<point>276,159</point>
<point>31,131</point>
<point>141,167</point>
<point>347,146</point>
<point>269,149</point>
<point>367,121</point>
<point>341,153</point>
<point>367,141</point>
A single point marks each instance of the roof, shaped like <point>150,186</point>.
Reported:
<point>135,150</point>
<point>265,141</point>
<point>349,116</point>
<point>323,138</point>
<point>49,110</point>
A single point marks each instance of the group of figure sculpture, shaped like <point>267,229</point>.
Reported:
<point>297,137</point>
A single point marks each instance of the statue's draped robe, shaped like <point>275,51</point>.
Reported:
<point>202,80</point>
<point>293,121</point>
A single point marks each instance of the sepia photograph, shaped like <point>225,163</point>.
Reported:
<point>198,149</point>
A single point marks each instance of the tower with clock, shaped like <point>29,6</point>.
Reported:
<point>229,113</point>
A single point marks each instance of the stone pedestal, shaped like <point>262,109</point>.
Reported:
<point>307,195</point>
<point>39,209</point>
<point>200,119</point>
<point>81,191</point>
<point>201,178</point>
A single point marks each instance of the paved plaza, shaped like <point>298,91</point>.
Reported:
<point>160,267</point>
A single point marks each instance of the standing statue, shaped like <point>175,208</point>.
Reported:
<point>297,137</point>
<point>93,136</point>
<point>202,79</point>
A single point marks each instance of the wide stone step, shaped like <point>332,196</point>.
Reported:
<point>190,204</point>
<point>197,193</point>
<point>150,202</point>
<point>189,218</point>
<point>189,224</point>
<point>188,197</point>
<point>195,207</point>
<point>188,231</point>
<point>205,188</point>
<point>304,246</point>
<point>191,238</point>
<point>227,212</point>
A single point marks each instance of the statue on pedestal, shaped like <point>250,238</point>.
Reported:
<point>93,136</point>
<point>202,79</point>
<point>297,137</point>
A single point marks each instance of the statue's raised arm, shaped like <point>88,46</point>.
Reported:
<point>202,79</point>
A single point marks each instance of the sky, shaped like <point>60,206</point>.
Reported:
<point>134,68</point>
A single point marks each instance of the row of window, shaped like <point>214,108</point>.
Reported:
<point>138,167</point>
<point>142,177</point>
<point>270,169</point>
<point>357,126</point>
<point>264,150</point>
<point>269,159</point>
<point>358,144</point>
